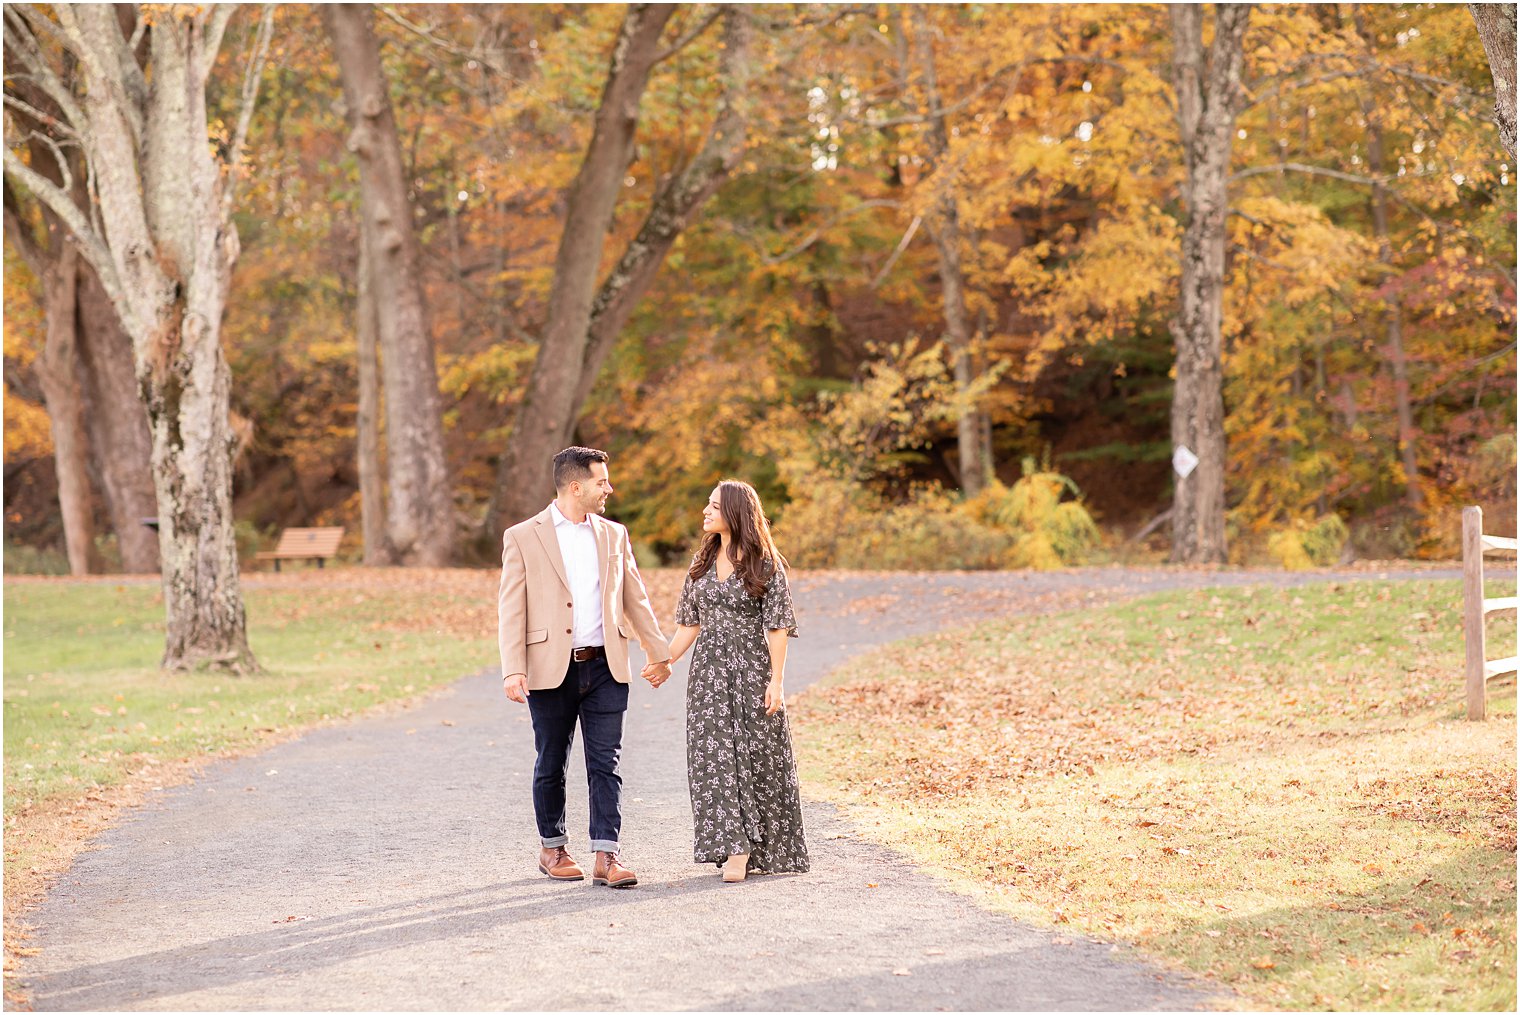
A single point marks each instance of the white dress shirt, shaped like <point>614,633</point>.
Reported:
<point>577,548</point>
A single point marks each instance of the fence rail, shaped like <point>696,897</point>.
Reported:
<point>1481,669</point>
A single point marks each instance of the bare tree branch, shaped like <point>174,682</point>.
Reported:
<point>253,75</point>
<point>426,34</point>
<point>90,242</point>
<point>221,16</point>
<point>139,30</point>
<point>28,51</point>
<point>1015,68</point>
<point>691,36</point>
<point>44,119</point>
<point>902,245</point>
<point>132,77</point>
<point>1303,167</point>
<point>39,23</point>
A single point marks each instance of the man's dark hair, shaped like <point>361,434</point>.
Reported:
<point>572,464</point>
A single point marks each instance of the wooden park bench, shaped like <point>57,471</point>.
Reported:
<point>305,544</point>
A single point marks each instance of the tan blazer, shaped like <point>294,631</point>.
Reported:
<point>534,616</point>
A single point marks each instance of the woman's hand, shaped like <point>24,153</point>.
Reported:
<point>774,700</point>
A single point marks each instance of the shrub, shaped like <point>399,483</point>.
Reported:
<point>1303,545</point>
<point>1046,531</point>
<point>837,525</point>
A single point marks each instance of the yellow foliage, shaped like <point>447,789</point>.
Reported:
<point>1048,532</point>
<point>27,431</point>
<point>24,324</point>
<point>1303,545</point>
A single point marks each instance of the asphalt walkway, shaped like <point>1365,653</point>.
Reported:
<point>389,864</point>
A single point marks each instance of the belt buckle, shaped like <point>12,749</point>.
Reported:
<point>582,655</point>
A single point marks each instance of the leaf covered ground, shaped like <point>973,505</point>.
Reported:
<point>1270,786</point>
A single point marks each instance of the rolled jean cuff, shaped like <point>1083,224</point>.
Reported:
<point>603,846</point>
<point>558,840</point>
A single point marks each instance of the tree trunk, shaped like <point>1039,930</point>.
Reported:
<point>1394,310</point>
<point>544,420</point>
<point>58,374</point>
<point>118,427</point>
<point>54,262</point>
<point>1208,84</point>
<point>420,526</point>
<point>673,208</point>
<point>945,229</point>
<point>119,450</point>
<point>377,550</point>
<point>1496,27</point>
<point>181,368</point>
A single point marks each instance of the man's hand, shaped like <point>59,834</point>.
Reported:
<point>656,673</point>
<point>517,687</point>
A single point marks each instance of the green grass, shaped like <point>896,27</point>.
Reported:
<point>1273,787</point>
<point>86,705</point>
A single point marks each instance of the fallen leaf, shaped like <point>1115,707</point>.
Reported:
<point>1264,963</point>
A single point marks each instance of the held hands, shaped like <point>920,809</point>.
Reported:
<point>774,700</point>
<point>656,673</point>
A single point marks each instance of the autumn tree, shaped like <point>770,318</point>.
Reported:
<point>944,226</point>
<point>419,523</point>
<point>584,315</point>
<point>1209,92</point>
<point>158,233</point>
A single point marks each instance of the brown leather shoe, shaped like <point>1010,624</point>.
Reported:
<point>610,872</point>
<point>556,863</point>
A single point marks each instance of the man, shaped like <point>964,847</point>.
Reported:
<point>570,591</point>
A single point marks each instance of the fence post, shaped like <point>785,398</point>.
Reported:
<point>1472,620</point>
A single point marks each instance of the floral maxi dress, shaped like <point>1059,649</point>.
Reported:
<point>739,761</point>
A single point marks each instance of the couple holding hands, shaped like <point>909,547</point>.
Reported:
<point>571,597</point>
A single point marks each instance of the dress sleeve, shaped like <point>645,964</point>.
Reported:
<point>687,613</point>
<point>777,607</point>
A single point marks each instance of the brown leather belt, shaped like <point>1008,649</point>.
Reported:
<point>585,655</point>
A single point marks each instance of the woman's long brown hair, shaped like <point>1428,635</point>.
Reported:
<point>750,536</point>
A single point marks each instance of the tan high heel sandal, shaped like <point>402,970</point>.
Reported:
<point>736,868</point>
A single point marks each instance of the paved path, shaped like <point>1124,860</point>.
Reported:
<point>388,864</point>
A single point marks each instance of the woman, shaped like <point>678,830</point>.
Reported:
<point>737,609</point>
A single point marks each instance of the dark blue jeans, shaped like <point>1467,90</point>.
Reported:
<point>591,696</point>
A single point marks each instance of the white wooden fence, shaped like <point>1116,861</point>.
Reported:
<point>1481,669</point>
